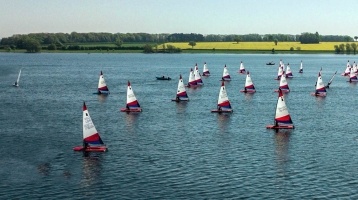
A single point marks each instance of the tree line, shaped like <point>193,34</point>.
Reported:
<point>34,42</point>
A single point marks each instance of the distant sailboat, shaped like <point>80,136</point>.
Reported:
<point>223,101</point>
<point>282,117</point>
<point>352,76</point>
<point>280,72</point>
<point>283,84</point>
<point>288,71</point>
<point>320,88</point>
<point>92,142</point>
<point>242,68</point>
<point>192,82</point>
<point>102,86</point>
<point>226,75</point>
<point>249,85</point>
<point>132,104</point>
<point>301,68</point>
<point>330,80</point>
<point>181,92</point>
<point>348,69</point>
<point>16,84</point>
<point>197,76</point>
<point>206,71</point>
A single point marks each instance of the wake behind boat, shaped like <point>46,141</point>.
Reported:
<point>132,102</point>
<point>223,105</point>
<point>102,86</point>
<point>16,84</point>
<point>282,117</point>
<point>92,142</point>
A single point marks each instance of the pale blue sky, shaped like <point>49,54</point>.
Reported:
<point>328,17</point>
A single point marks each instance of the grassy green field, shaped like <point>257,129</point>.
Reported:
<point>259,46</point>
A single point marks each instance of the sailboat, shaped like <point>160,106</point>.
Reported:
<point>282,117</point>
<point>92,142</point>
<point>132,102</point>
<point>197,76</point>
<point>16,84</point>
<point>330,80</point>
<point>283,84</point>
<point>206,71</point>
<point>301,68</point>
<point>226,75</point>
<point>192,82</point>
<point>280,72</point>
<point>320,88</point>
<point>181,92</point>
<point>242,68</point>
<point>102,86</point>
<point>249,85</point>
<point>289,71</point>
<point>223,101</point>
<point>352,76</point>
<point>348,70</point>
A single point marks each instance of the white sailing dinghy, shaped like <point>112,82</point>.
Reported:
<point>181,92</point>
<point>16,84</point>
<point>289,71</point>
<point>301,68</point>
<point>197,76</point>
<point>206,71</point>
<point>226,75</point>
<point>348,70</point>
<point>249,85</point>
<point>223,101</point>
<point>330,80</point>
<point>192,82</point>
<point>102,86</point>
<point>282,117</point>
<point>283,84</point>
<point>320,88</point>
<point>92,142</point>
<point>352,77</point>
<point>280,72</point>
<point>132,102</point>
<point>242,68</point>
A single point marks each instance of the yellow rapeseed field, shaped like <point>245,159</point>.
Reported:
<point>323,46</point>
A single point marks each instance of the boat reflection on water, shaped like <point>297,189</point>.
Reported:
<point>282,139</point>
<point>223,121</point>
<point>92,169</point>
<point>181,106</point>
<point>102,98</point>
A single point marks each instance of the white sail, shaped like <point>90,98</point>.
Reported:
<point>18,79</point>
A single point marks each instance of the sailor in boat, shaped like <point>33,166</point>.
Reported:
<point>219,108</point>
<point>15,83</point>
<point>127,107</point>
<point>85,145</point>
<point>245,90</point>
<point>177,99</point>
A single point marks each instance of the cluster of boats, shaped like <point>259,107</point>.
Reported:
<point>92,141</point>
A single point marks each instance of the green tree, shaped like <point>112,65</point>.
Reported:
<point>237,39</point>
<point>192,44</point>
<point>341,48</point>
<point>348,48</point>
<point>337,49</point>
<point>356,38</point>
<point>275,41</point>
<point>52,47</point>
<point>32,45</point>
<point>148,48</point>
<point>118,42</point>
<point>354,47</point>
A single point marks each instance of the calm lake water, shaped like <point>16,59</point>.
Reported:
<point>175,150</point>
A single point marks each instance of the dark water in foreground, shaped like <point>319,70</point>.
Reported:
<point>170,150</point>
